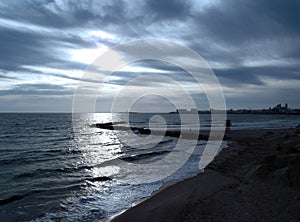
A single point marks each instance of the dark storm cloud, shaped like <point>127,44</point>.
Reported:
<point>19,48</point>
<point>38,89</point>
<point>236,33</point>
<point>22,46</point>
<point>62,14</point>
<point>174,9</point>
<point>241,21</point>
<point>253,24</point>
<point>3,77</point>
<point>238,77</point>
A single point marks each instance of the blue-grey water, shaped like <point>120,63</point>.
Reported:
<point>50,173</point>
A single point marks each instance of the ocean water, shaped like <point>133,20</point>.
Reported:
<point>55,168</point>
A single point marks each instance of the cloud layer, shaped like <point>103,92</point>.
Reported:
<point>252,46</point>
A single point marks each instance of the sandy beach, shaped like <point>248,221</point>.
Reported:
<point>257,178</point>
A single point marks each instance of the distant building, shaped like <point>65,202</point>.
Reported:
<point>278,109</point>
<point>281,109</point>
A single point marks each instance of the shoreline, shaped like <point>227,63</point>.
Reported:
<point>235,170</point>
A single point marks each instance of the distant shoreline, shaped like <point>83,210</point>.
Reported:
<point>201,112</point>
<point>245,113</point>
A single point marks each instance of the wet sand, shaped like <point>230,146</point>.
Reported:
<point>257,178</point>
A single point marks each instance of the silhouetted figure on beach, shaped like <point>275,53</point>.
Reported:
<point>228,123</point>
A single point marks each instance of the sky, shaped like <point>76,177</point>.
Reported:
<point>253,47</point>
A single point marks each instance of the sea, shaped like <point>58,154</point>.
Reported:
<point>60,167</point>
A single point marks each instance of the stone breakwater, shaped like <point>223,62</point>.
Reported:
<point>185,134</point>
